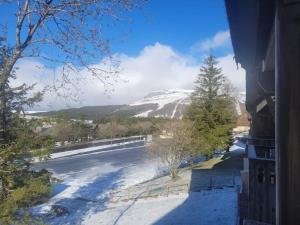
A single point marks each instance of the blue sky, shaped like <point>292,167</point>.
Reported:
<point>160,46</point>
<point>177,23</point>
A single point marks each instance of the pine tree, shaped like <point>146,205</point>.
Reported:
<point>13,99</point>
<point>211,109</point>
<point>20,187</point>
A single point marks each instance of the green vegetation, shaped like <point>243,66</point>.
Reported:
<point>20,187</point>
<point>74,131</point>
<point>124,127</point>
<point>88,112</point>
<point>98,112</point>
<point>211,109</point>
<point>206,126</point>
<point>70,131</point>
<point>209,164</point>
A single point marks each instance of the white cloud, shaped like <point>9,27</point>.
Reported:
<point>237,76</point>
<point>156,67</point>
<point>220,39</point>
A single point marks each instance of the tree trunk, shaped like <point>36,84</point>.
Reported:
<point>174,173</point>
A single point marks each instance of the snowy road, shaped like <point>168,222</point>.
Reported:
<point>87,179</point>
<point>132,153</point>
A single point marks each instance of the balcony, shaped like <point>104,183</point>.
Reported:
<point>259,142</point>
<point>261,149</point>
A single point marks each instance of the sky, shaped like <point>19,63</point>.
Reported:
<point>161,47</point>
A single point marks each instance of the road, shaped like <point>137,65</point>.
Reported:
<point>130,154</point>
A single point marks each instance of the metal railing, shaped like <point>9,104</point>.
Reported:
<point>97,143</point>
<point>264,148</point>
<point>259,142</point>
<point>264,153</point>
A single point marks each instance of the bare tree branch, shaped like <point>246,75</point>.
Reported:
<point>73,29</point>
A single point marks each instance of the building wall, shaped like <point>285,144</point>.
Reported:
<point>262,191</point>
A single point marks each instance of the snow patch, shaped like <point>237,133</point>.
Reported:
<point>175,108</point>
<point>144,114</point>
<point>213,207</point>
<point>162,98</point>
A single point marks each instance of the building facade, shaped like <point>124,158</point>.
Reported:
<point>266,40</point>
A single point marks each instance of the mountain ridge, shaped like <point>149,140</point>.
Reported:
<point>162,103</point>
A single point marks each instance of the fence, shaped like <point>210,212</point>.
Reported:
<point>97,143</point>
<point>149,192</point>
<point>156,190</point>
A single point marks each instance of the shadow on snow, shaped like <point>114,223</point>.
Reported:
<point>90,198</point>
<point>214,209</point>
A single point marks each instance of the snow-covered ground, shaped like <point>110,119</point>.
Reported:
<point>215,207</point>
<point>85,195</point>
<point>207,207</point>
<point>87,190</point>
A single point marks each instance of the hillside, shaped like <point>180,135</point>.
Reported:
<point>87,112</point>
<point>166,103</point>
<point>169,103</point>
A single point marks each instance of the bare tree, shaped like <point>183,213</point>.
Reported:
<point>68,34</point>
<point>71,31</point>
<point>173,144</point>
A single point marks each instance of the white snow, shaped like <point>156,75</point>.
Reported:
<point>163,98</point>
<point>176,96</point>
<point>33,111</point>
<point>87,190</point>
<point>176,106</point>
<point>237,146</point>
<point>144,114</point>
<point>213,207</point>
<point>85,195</point>
<point>82,179</point>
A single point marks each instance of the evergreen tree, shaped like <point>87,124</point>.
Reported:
<point>13,99</point>
<point>20,187</point>
<point>211,109</point>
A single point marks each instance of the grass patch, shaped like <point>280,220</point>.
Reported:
<point>209,164</point>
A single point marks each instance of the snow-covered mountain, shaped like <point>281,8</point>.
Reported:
<point>166,103</point>
<point>171,103</point>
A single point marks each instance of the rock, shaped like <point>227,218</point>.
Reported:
<point>58,210</point>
